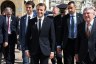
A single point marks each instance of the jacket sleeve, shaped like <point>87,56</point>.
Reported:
<point>4,29</point>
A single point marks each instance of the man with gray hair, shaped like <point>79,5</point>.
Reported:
<point>12,27</point>
<point>86,40</point>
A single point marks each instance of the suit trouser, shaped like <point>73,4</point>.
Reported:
<point>25,58</point>
<point>0,52</point>
<point>53,60</point>
<point>39,58</point>
<point>58,57</point>
<point>87,60</point>
<point>9,51</point>
<point>69,52</point>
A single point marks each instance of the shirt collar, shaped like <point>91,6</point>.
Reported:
<point>31,15</point>
<point>73,14</point>
<point>91,23</point>
<point>42,18</point>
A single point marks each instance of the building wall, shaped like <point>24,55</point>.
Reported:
<point>19,6</point>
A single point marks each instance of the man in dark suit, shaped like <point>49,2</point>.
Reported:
<point>23,27</point>
<point>86,40</point>
<point>40,37</point>
<point>12,26</point>
<point>70,22</point>
<point>3,35</point>
<point>58,25</point>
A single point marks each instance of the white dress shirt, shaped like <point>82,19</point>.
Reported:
<point>90,26</point>
<point>9,29</point>
<point>31,16</point>
<point>75,25</point>
<point>42,18</point>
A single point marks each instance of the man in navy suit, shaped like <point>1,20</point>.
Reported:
<point>23,27</point>
<point>86,40</point>
<point>12,26</point>
<point>3,35</point>
<point>40,37</point>
<point>70,23</point>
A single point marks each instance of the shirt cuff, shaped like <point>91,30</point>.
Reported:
<point>58,46</point>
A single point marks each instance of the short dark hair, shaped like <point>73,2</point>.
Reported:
<point>41,4</point>
<point>30,3</point>
<point>71,2</point>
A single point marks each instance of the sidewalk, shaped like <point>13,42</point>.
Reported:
<point>18,57</point>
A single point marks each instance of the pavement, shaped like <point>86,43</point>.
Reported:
<point>18,57</point>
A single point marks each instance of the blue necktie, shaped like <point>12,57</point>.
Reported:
<point>72,27</point>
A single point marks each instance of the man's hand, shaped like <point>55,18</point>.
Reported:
<point>59,50</point>
<point>5,44</point>
<point>51,55</point>
<point>76,57</point>
<point>27,53</point>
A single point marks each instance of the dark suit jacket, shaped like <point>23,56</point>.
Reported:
<point>14,27</point>
<point>58,29</point>
<point>3,30</point>
<point>82,40</point>
<point>45,41</point>
<point>23,30</point>
<point>65,27</point>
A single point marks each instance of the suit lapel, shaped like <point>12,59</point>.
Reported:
<point>43,24</point>
<point>11,21</point>
<point>36,23</point>
<point>84,28</point>
<point>24,22</point>
<point>93,27</point>
<point>68,21</point>
<point>78,18</point>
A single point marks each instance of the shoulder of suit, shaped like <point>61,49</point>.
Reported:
<point>95,19</point>
<point>12,16</point>
<point>48,19</point>
<point>79,14</point>
<point>23,16</point>
<point>33,19</point>
<point>58,16</point>
<point>66,16</point>
<point>2,17</point>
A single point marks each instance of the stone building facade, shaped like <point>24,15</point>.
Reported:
<point>18,6</point>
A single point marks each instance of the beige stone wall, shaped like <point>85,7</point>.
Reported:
<point>19,6</point>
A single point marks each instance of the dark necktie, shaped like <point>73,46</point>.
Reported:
<point>87,30</point>
<point>27,23</point>
<point>39,25</point>
<point>72,26</point>
<point>28,18</point>
<point>90,44</point>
